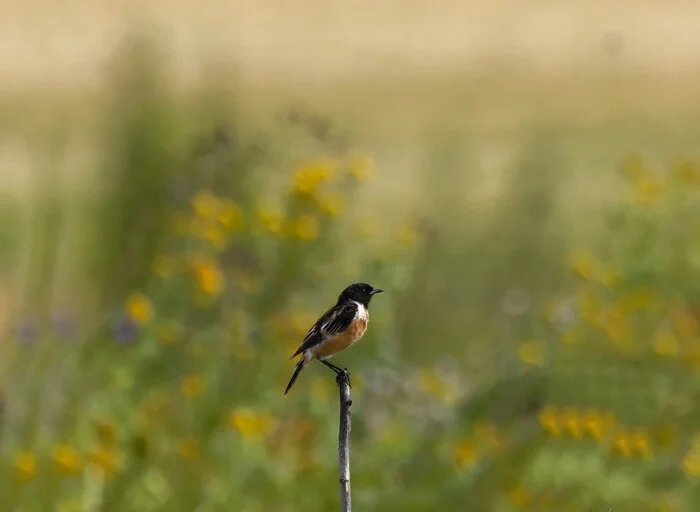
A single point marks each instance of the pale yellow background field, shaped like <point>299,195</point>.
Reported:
<point>386,69</point>
<point>64,42</point>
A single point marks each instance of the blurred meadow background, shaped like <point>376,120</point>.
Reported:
<point>186,188</point>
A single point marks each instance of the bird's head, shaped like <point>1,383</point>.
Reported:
<point>359,292</point>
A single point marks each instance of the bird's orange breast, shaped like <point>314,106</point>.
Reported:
<point>342,341</point>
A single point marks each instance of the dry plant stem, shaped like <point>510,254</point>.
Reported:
<point>343,381</point>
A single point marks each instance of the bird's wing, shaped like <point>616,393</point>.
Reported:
<point>333,321</point>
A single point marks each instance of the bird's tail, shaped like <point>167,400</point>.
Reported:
<point>299,367</point>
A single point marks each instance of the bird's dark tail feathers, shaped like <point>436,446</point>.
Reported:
<point>300,366</point>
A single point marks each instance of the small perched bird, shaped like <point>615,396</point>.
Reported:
<point>337,329</point>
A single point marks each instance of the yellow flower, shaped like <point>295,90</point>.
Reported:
<point>331,204</point>
<point>622,444</point>
<point>209,277</point>
<point>272,220</point>
<point>691,463</point>
<point>406,235</point>
<point>25,463</point>
<point>466,452</point>
<point>188,448</point>
<point>104,459</point>
<point>139,308</point>
<point>639,439</point>
<point>169,332</point>
<point>685,324</point>
<point>549,420</point>
<point>250,423</point>
<point>361,168</point>
<point>67,459</point>
<point>520,497</point>
<point>231,215</point>
<point>614,324</point>
<point>584,263</point>
<point>687,171</point>
<point>307,227</point>
<point>308,179</point>
<point>486,434</point>
<point>531,353</point>
<point>205,204</point>
<point>216,236</point>
<point>666,344</point>
<point>598,424</point>
<point>572,423</point>
<point>192,386</point>
<point>648,190</point>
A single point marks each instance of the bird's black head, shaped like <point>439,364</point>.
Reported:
<point>359,292</point>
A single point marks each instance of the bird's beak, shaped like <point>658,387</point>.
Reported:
<point>375,291</point>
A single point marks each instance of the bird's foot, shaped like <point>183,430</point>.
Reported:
<point>342,377</point>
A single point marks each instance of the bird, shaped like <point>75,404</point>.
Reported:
<point>337,329</point>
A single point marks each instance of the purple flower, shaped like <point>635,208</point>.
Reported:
<point>125,331</point>
<point>63,325</point>
<point>26,331</point>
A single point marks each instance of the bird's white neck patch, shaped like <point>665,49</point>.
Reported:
<point>362,312</point>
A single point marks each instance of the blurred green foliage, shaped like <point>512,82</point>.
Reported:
<point>510,366</point>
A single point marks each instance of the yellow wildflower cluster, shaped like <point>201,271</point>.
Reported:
<point>532,353</point>
<point>631,442</point>
<point>251,423</point>
<point>576,423</point>
<point>601,426</point>
<point>466,452</point>
<point>214,219</point>
<point>192,386</point>
<point>272,221</point>
<point>648,187</point>
<point>691,461</point>
<point>436,385</point>
<point>587,266</point>
<point>208,206</point>
<point>484,439</point>
<point>687,171</point>
<point>139,308</point>
<point>67,459</point>
<point>306,227</point>
<point>309,178</point>
<point>210,279</point>
<point>25,464</point>
<point>361,168</point>
<point>105,459</point>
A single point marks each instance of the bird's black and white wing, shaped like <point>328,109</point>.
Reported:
<point>333,322</point>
